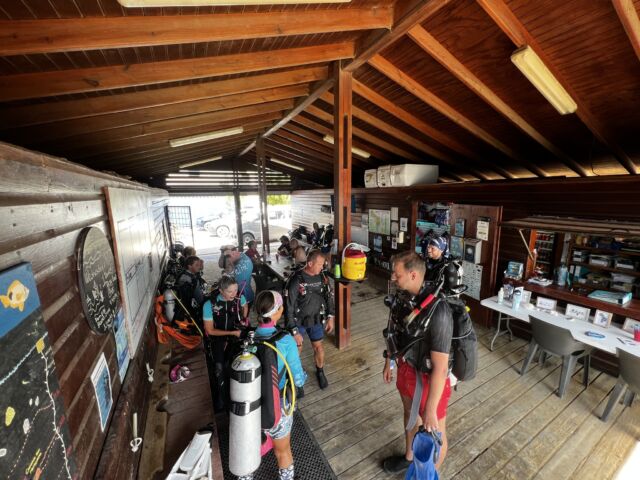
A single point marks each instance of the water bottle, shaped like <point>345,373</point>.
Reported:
<point>501,295</point>
<point>517,296</point>
<point>561,275</point>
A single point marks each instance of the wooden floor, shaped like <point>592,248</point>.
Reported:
<point>500,425</point>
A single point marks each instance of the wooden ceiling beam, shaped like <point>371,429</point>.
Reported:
<point>173,125</point>
<point>44,84</point>
<point>420,125</point>
<point>435,49</point>
<point>301,149</point>
<point>301,105</point>
<point>628,16</point>
<point>282,153</point>
<point>520,36</point>
<point>24,37</point>
<point>405,137</point>
<point>414,87</point>
<point>215,147</point>
<point>67,128</point>
<point>327,117</point>
<point>21,116</point>
<point>407,13</point>
<point>198,153</point>
<point>323,130</point>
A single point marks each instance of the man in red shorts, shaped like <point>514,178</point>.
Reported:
<point>426,351</point>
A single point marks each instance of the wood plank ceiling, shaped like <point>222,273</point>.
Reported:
<point>108,86</point>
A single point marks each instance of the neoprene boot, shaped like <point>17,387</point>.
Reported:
<point>322,379</point>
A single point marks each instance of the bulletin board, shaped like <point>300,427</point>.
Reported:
<point>133,231</point>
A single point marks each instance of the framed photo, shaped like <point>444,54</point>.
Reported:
<point>577,312</point>
<point>602,318</point>
<point>629,323</point>
<point>403,224</point>
<point>546,303</point>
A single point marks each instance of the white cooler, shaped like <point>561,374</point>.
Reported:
<point>371,178</point>
<point>412,174</point>
<point>384,176</point>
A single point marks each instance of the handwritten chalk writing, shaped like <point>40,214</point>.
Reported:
<point>98,280</point>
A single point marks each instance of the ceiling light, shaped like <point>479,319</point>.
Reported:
<point>532,67</point>
<point>199,162</point>
<point>357,151</point>
<point>285,164</point>
<point>205,3</point>
<point>203,137</point>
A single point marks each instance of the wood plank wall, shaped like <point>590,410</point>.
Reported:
<point>44,205</point>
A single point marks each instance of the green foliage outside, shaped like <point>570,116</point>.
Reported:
<point>278,199</point>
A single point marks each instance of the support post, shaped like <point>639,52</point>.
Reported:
<point>342,195</point>
<point>238,206</point>
<point>262,190</point>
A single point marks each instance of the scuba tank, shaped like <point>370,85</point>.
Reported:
<point>245,420</point>
<point>169,304</point>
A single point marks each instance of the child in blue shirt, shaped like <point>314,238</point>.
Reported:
<point>269,306</point>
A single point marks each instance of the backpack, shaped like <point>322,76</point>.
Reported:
<point>271,411</point>
<point>464,343</point>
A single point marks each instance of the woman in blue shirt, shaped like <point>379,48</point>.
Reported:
<point>269,306</point>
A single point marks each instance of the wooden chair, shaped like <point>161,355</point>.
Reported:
<point>557,341</point>
<point>629,379</point>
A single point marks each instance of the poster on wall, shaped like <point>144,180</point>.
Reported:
<point>122,345</point>
<point>380,221</point>
<point>34,436</point>
<point>101,380</point>
<point>129,218</point>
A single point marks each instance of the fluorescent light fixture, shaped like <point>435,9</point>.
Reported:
<point>206,3</point>
<point>285,164</point>
<point>532,67</point>
<point>357,151</point>
<point>199,162</point>
<point>203,137</point>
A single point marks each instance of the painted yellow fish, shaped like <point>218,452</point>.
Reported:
<point>16,296</point>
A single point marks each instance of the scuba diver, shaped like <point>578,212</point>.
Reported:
<point>418,337</point>
<point>310,308</point>
<point>269,307</point>
<point>225,318</point>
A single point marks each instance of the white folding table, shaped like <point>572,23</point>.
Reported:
<point>614,337</point>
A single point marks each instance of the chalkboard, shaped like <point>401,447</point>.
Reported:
<point>98,280</point>
<point>34,436</point>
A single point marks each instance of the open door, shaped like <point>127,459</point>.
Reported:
<point>180,226</point>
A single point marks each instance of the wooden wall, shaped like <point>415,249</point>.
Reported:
<point>44,205</point>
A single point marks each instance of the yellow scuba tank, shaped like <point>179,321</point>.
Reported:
<point>354,262</point>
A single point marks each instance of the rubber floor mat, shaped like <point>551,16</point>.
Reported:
<point>310,463</point>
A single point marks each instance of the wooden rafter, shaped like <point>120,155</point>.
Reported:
<point>429,44</point>
<point>323,130</point>
<point>416,88</point>
<point>404,137</point>
<point>513,28</point>
<point>22,37</point>
<point>407,13</point>
<point>420,125</point>
<point>628,15</point>
<point>300,106</point>
<point>174,125</point>
<point>13,117</point>
<point>162,148</point>
<point>39,134</point>
<point>31,85</point>
<point>327,117</point>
